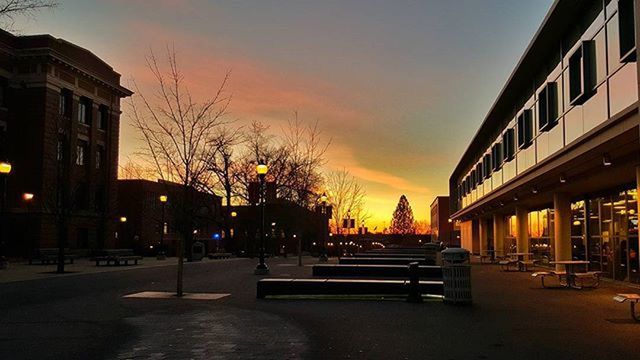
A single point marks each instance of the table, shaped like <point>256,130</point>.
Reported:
<point>569,268</point>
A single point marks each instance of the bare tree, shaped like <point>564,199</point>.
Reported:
<point>176,131</point>
<point>131,170</point>
<point>10,9</point>
<point>347,197</point>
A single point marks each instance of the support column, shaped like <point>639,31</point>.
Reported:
<point>498,235</point>
<point>484,236</point>
<point>522,230</point>
<point>562,227</point>
<point>638,188</point>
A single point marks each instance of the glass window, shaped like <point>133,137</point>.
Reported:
<point>84,111</point>
<point>548,106</point>
<point>626,27</point>
<point>103,116</point>
<point>525,129</point>
<point>581,73</point>
<point>99,157</point>
<point>623,88</point>
<point>65,102</point>
<point>508,145</point>
<point>600,57</point>
<point>81,151</point>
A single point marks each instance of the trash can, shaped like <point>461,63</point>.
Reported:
<point>197,251</point>
<point>456,276</point>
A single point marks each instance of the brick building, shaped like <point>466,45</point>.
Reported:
<point>442,229</point>
<point>59,126</point>
<point>139,202</point>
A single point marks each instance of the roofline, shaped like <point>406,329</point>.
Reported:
<point>524,56</point>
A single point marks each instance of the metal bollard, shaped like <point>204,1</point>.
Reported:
<point>414,284</point>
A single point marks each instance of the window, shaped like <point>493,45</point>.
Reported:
<point>525,129</point>
<point>99,157</point>
<point>65,102</point>
<point>496,156</point>
<point>548,107</point>
<point>84,111</point>
<point>103,117</point>
<point>474,179</point>
<point>581,73</point>
<point>508,149</point>
<point>486,166</point>
<point>626,26</point>
<point>81,151</point>
<point>60,149</point>
<point>479,173</point>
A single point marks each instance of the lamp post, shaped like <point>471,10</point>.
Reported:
<point>5,170</point>
<point>123,220</point>
<point>28,199</point>
<point>161,256</point>
<point>323,251</point>
<point>262,268</point>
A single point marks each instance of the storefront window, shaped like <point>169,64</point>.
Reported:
<point>578,248</point>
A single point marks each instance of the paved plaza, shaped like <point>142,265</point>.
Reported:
<point>87,317</point>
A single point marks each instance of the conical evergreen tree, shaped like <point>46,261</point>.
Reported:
<point>402,222</point>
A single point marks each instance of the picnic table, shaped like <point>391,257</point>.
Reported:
<point>522,259</point>
<point>571,273</point>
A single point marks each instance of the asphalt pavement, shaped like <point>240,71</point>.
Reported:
<point>87,317</point>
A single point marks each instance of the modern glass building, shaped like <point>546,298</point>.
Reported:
<point>555,167</point>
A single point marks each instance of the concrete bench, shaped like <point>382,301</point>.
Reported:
<point>390,255</point>
<point>384,261</point>
<point>274,287</point>
<point>117,257</point>
<point>213,256</point>
<point>633,300</point>
<point>373,270</point>
<point>47,256</point>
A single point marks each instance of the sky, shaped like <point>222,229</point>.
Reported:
<point>399,87</point>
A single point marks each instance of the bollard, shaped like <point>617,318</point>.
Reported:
<point>414,283</point>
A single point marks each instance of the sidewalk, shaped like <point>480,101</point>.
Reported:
<point>22,271</point>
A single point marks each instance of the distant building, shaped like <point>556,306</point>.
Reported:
<point>442,229</point>
<point>59,129</point>
<point>139,203</point>
<point>554,169</point>
<point>285,224</point>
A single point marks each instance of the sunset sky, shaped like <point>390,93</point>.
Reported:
<point>400,87</point>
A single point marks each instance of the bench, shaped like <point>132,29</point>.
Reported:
<point>592,277</point>
<point>633,300</point>
<point>213,256</point>
<point>390,255</point>
<point>373,270</point>
<point>117,257</point>
<point>543,274</point>
<point>49,256</point>
<point>525,264</point>
<point>384,261</point>
<point>275,287</point>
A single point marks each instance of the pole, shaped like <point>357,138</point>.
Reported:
<point>299,251</point>
<point>262,268</point>
<point>180,266</point>
<point>3,199</point>
<point>161,254</point>
<point>323,254</point>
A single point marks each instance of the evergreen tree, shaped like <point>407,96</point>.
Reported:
<point>402,222</point>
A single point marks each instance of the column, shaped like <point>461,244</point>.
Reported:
<point>498,235</point>
<point>484,236</point>
<point>562,227</point>
<point>522,230</point>
<point>638,187</point>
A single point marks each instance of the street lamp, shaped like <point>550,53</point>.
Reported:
<point>262,268</point>
<point>161,256</point>
<point>5,169</point>
<point>28,198</point>
<point>323,252</point>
